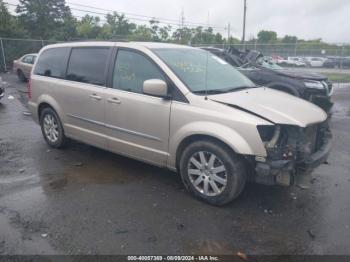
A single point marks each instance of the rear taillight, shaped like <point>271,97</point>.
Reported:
<point>29,88</point>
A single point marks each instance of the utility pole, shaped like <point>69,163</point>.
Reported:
<point>208,19</point>
<point>182,18</point>
<point>182,23</point>
<point>3,54</point>
<point>228,31</point>
<point>244,18</point>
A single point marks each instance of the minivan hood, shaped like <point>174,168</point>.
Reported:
<point>301,74</point>
<point>275,106</point>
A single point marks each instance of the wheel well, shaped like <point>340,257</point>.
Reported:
<point>41,107</point>
<point>190,139</point>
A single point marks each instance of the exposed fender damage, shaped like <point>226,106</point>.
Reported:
<point>293,148</point>
<point>295,154</point>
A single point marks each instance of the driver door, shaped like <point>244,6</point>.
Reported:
<point>137,124</point>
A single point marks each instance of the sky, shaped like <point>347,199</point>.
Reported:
<point>306,19</point>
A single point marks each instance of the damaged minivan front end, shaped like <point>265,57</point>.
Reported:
<point>297,140</point>
<point>292,153</point>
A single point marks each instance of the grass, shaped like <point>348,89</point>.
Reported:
<point>338,78</point>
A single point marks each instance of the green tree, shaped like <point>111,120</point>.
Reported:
<point>9,26</point>
<point>218,38</point>
<point>265,36</point>
<point>197,35</point>
<point>88,27</point>
<point>208,36</point>
<point>233,41</point>
<point>154,24</point>
<point>183,35</point>
<point>141,33</point>
<point>288,39</point>
<point>43,18</point>
<point>164,33</point>
<point>117,26</point>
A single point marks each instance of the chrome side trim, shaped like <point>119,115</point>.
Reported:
<point>115,128</point>
<point>132,132</point>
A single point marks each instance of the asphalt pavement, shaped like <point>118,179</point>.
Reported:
<point>83,200</point>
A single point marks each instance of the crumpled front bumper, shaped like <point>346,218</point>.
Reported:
<point>290,172</point>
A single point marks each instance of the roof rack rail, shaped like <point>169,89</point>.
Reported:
<point>99,40</point>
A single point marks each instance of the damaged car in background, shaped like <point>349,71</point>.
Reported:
<point>310,86</point>
<point>177,107</point>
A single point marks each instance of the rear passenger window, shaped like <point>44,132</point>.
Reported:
<point>52,62</point>
<point>29,59</point>
<point>88,65</point>
<point>132,69</point>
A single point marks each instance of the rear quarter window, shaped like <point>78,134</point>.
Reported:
<point>52,62</point>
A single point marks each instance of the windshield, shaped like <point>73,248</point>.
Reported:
<point>203,72</point>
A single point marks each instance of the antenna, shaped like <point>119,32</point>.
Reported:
<point>206,76</point>
<point>244,21</point>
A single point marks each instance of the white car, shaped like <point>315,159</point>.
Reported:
<point>296,62</point>
<point>316,61</point>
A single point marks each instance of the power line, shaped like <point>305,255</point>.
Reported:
<point>145,16</point>
<point>161,21</point>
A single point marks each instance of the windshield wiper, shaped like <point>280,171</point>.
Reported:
<point>238,88</point>
<point>210,92</point>
<point>222,91</point>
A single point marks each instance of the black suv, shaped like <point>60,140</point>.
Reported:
<point>313,87</point>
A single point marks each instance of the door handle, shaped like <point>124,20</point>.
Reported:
<point>96,97</point>
<point>114,100</point>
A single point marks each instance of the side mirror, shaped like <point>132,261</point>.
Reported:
<point>155,87</point>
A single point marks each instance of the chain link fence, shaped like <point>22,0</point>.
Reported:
<point>297,49</point>
<point>12,48</point>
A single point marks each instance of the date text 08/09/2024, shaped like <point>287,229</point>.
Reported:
<point>173,258</point>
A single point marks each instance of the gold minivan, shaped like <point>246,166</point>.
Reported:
<point>178,107</point>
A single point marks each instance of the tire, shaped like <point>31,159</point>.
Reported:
<point>21,76</point>
<point>234,174</point>
<point>51,128</point>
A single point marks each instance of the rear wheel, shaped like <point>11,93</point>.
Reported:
<point>212,172</point>
<point>21,76</point>
<point>51,128</point>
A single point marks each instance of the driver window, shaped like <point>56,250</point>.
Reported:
<point>131,69</point>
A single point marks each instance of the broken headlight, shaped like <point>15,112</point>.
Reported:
<point>314,85</point>
<point>269,135</point>
<point>266,132</point>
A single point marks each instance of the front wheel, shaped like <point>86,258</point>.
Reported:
<point>212,172</point>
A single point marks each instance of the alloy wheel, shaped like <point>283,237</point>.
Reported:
<point>207,173</point>
<point>51,128</point>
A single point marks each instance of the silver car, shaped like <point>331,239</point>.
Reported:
<point>177,107</point>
